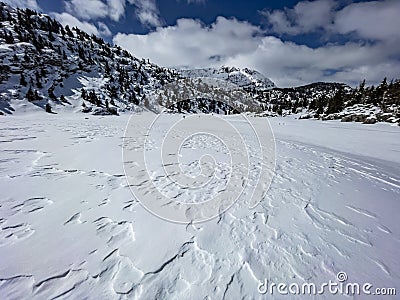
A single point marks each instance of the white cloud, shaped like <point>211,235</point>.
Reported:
<point>32,4</point>
<point>306,16</point>
<point>86,9</point>
<point>191,43</point>
<point>291,64</point>
<point>96,9</point>
<point>116,9</point>
<point>104,30</point>
<point>67,19</point>
<point>147,12</point>
<point>378,20</point>
<point>232,42</point>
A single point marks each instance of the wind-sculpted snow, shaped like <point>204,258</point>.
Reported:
<point>193,169</point>
<point>70,227</point>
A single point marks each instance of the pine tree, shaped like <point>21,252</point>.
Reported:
<point>98,101</point>
<point>69,32</point>
<point>91,97</point>
<point>295,106</point>
<point>30,95</point>
<point>107,68</point>
<point>51,36</point>
<point>51,93</point>
<point>336,103</point>
<point>38,80</point>
<point>312,105</point>
<point>9,38</point>
<point>26,57</point>
<point>83,94</point>
<point>146,102</point>
<point>37,97</point>
<point>48,108</point>
<point>22,81</point>
<point>133,99</point>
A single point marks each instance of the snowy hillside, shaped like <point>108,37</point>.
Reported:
<point>44,62</point>
<point>203,94</point>
<point>331,101</point>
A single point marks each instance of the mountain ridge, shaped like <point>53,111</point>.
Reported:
<point>245,78</point>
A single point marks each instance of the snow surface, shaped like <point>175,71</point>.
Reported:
<point>71,228</point>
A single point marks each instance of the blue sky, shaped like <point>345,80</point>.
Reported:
<point>292,42</point>
<point>171,10</point>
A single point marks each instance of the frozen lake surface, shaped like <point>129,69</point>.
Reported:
<point>71,228</point>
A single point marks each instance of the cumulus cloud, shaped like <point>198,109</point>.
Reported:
<point>86,9</point>
<point>104,30</point>
<point>32,4</point>
<point>229,41</point>
<point>67,19</point>
<point>306,16</point>
<point>378,20</point>
<point>370,20</point>
<point>147,12</point>
<point>190,43</point>
<point>291,64</point>
<point>116,9</point>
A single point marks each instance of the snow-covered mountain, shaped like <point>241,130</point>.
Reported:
<point>245,78</point>
<point>46,63</point>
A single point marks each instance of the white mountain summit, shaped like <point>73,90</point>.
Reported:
<point>245,78</point>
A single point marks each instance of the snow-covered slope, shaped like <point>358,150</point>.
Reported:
<point>43,62</point>
<point>245,78</point>
<point>70,227</point>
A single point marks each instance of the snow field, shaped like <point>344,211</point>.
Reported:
<point>71,228</point>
